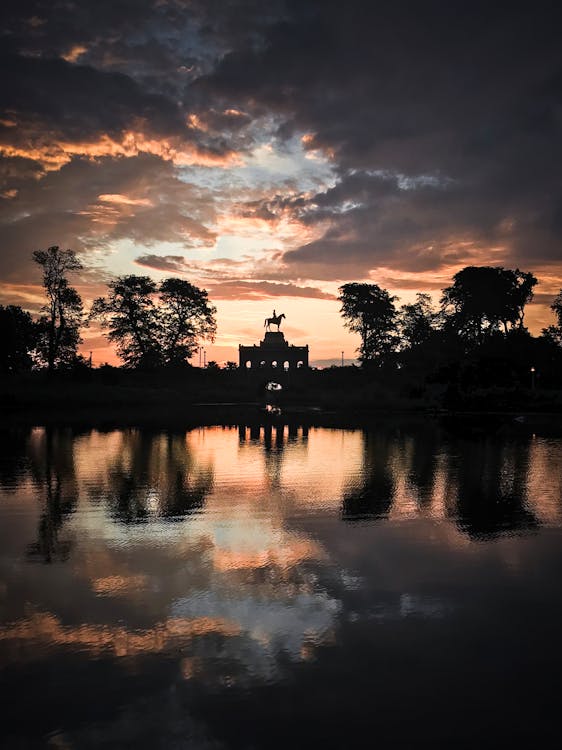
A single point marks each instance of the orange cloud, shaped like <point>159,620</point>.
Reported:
<point>74,53</point>
<point>124,199</point>
<point>56,154</point>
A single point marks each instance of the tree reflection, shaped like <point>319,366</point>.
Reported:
<point>372,494</point>
<point>13,458</point>
<point>53,471</point>
<point>492,478</point>
<point>424,448</point>
<point>156,476</point>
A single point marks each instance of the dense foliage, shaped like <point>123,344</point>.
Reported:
<point>155,326</point>
<point>369,311</point>
<point>18,334</point>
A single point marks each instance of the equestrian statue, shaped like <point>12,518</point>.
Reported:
<point>275,320</point>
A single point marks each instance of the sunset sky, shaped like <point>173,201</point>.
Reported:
<point>270,151</point>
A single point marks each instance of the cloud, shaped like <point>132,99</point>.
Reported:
<point>88,206</point>
<point>256,290</point>
<point>221,283</point>
<point>457,106</point>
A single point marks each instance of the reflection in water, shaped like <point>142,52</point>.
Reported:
<point>155,476</point>
<point>259,598</point>
<point>492,488</point>
<point>53,473</point>
<point>370,494</point>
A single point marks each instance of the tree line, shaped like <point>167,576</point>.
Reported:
<point>152,325</point>
<point>482,302</point>
<point>161,325</point>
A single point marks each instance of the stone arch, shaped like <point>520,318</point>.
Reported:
<point>248,364</point>
<point>286,365</point>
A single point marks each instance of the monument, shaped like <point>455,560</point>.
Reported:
<point>273,351</point>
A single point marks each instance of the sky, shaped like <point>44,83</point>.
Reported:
<point>272,150</point>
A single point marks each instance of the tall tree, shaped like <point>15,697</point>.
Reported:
<point>185,317</point>
<point>60,324</point>
<point>417,321</point>
<point>482,299</point>
<point>130,315</point>
<point>369,311</point>
<point>18,339</point>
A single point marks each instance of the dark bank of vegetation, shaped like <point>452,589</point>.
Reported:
<point>472,354</point>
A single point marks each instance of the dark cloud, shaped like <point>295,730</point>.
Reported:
<point>442,122</point>
<point>79,101</point>
<point>466,93</point>
<point>172,263</point>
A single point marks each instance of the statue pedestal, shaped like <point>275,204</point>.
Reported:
<point>274,338</point>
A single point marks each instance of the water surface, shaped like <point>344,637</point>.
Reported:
<point>263,587</point>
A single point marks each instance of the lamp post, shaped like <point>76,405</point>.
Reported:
<point>533,378</point>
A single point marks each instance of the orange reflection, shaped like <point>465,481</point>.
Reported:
<point>289,553</point>
<point>117,585</point>
<point>46,629</point>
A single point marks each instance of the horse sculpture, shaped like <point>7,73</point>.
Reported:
<point>274,321</point>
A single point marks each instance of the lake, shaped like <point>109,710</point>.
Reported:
<point>278,586</point>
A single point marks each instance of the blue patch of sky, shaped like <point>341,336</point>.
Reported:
<point>272,165</point>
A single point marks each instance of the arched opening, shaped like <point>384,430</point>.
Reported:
<point>274,363</point>
<point>300,364</point>
<point>262,363</point>
<point>286,365</point>
<point>248,364</point>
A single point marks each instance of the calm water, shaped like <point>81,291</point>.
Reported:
<point>251,588</point>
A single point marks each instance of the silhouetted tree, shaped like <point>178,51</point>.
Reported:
<point>483,298</point>
<point>59,326</point>
<point>132,318</point>
<point>152,330</point>
<point>185,316</point>
<point>417,321</point>
<point>18,339</point>
<point>554,333</point>
<point>369,311</point>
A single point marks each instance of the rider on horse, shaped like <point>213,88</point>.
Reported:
<point>275,320</point>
